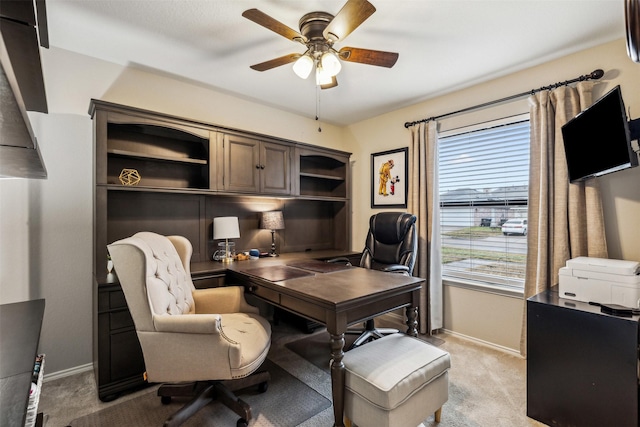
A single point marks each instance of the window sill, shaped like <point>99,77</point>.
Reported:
<point>506,291</point>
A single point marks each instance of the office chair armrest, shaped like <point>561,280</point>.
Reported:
<point>226,299</point>
<point>188,323</point>
<point>340,259</point>
<point>399,268</point>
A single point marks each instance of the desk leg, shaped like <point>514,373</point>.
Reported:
<point>412,321</point>
<point>337,378</point>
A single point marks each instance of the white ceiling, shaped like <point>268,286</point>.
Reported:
<point>444,45</point>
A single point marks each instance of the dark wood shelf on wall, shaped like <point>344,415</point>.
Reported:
<point>191,172</point>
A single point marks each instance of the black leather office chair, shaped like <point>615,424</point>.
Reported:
<point>391,245</point>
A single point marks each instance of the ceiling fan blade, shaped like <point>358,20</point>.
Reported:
<point>352,14</point>
<point>273,63</point>
<point>368,56</point>
<point>274,25</point>
<point>334,83</point>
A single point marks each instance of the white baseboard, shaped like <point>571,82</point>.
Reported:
<point>67,372</point>
<point>399,320</point>
<point>484,343</point>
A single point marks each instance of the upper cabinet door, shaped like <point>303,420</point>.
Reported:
<point>275,168</point>
<point>241,164</point>
<point>254,166</point>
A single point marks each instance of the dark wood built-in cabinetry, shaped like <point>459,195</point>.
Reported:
<point>191,172</point>
<point>255,166</point>
<point>120,365</point>
<point>582,364</point>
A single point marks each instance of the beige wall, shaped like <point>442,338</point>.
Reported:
<point>46,225</point>
<point>490,317</point>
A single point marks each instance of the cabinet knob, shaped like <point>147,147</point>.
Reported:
<point>261,166</point>
<point>257,166</point>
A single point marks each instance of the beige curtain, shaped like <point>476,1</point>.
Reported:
<point>424,202</point>
<point>565,220</point>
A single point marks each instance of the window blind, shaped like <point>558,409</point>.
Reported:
<point>484,181</point>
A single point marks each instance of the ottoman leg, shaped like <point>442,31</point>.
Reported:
<point>438,414</point>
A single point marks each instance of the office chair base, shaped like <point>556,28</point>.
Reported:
<point>205,392</point>
<point>367,335</point>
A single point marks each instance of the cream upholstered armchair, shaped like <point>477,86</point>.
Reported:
<point>206,342</point>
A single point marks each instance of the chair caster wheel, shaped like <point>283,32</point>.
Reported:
<point>242,423</point>
<point>165,400</point>
<point>264,386</point>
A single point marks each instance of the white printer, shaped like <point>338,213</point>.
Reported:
<point>601,280</point>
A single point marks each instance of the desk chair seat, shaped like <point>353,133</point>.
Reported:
<point>207,342</point>
<point>391,245</point>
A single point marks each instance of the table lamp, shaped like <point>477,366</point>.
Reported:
<point>226,227</point>
<point>272,221</point>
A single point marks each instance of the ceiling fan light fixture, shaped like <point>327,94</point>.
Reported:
<point>303,66</point>
<point>330,63</point>
<point>322,76</point>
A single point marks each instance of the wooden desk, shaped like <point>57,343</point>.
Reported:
<point>336,299</point>
<point>20,325</point>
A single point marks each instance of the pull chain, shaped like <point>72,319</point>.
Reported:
<point>318,108</point>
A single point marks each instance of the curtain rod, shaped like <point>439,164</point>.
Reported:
<point>593,75</point>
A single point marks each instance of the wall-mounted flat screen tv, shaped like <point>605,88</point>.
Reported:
<point>597,141</point>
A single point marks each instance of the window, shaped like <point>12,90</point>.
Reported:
<point>484,182</point>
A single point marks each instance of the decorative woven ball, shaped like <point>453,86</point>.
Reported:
<point>129,177</point>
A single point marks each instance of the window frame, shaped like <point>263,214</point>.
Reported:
<point>501,286</point>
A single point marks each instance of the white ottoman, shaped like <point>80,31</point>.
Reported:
<point>395,381</point>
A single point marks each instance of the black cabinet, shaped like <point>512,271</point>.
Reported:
<point>582,364</point>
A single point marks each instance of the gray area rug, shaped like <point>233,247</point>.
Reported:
<point>269,409</point>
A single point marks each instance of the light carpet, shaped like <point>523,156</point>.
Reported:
<point>487,387</point>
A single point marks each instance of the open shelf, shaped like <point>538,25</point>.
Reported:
<point>322,176</point>
<point>162,156</point>
<point>156,157</point>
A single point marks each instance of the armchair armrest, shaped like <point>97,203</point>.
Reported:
<point>345,260</point>
<point>188,323</point>
<point>226,299</point>
<point>398,268</point>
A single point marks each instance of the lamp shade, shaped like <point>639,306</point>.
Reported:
<point>330,63</point>
<point>272,220</point>
<point>322,76</point>
<point>303,66</point>
<point>226,227</point>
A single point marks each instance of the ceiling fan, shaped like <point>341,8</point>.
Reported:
<point>319,31</point>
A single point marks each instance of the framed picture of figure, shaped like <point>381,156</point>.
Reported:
<point>389,175</point>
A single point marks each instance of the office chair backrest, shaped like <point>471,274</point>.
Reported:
<point>392,240</point>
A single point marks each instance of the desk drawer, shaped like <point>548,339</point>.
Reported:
<point>264,293</point>
<point>308,309</point>
<point>120,319</point>
<point>117,299</point>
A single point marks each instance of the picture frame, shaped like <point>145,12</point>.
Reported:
<point>389,184</point>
